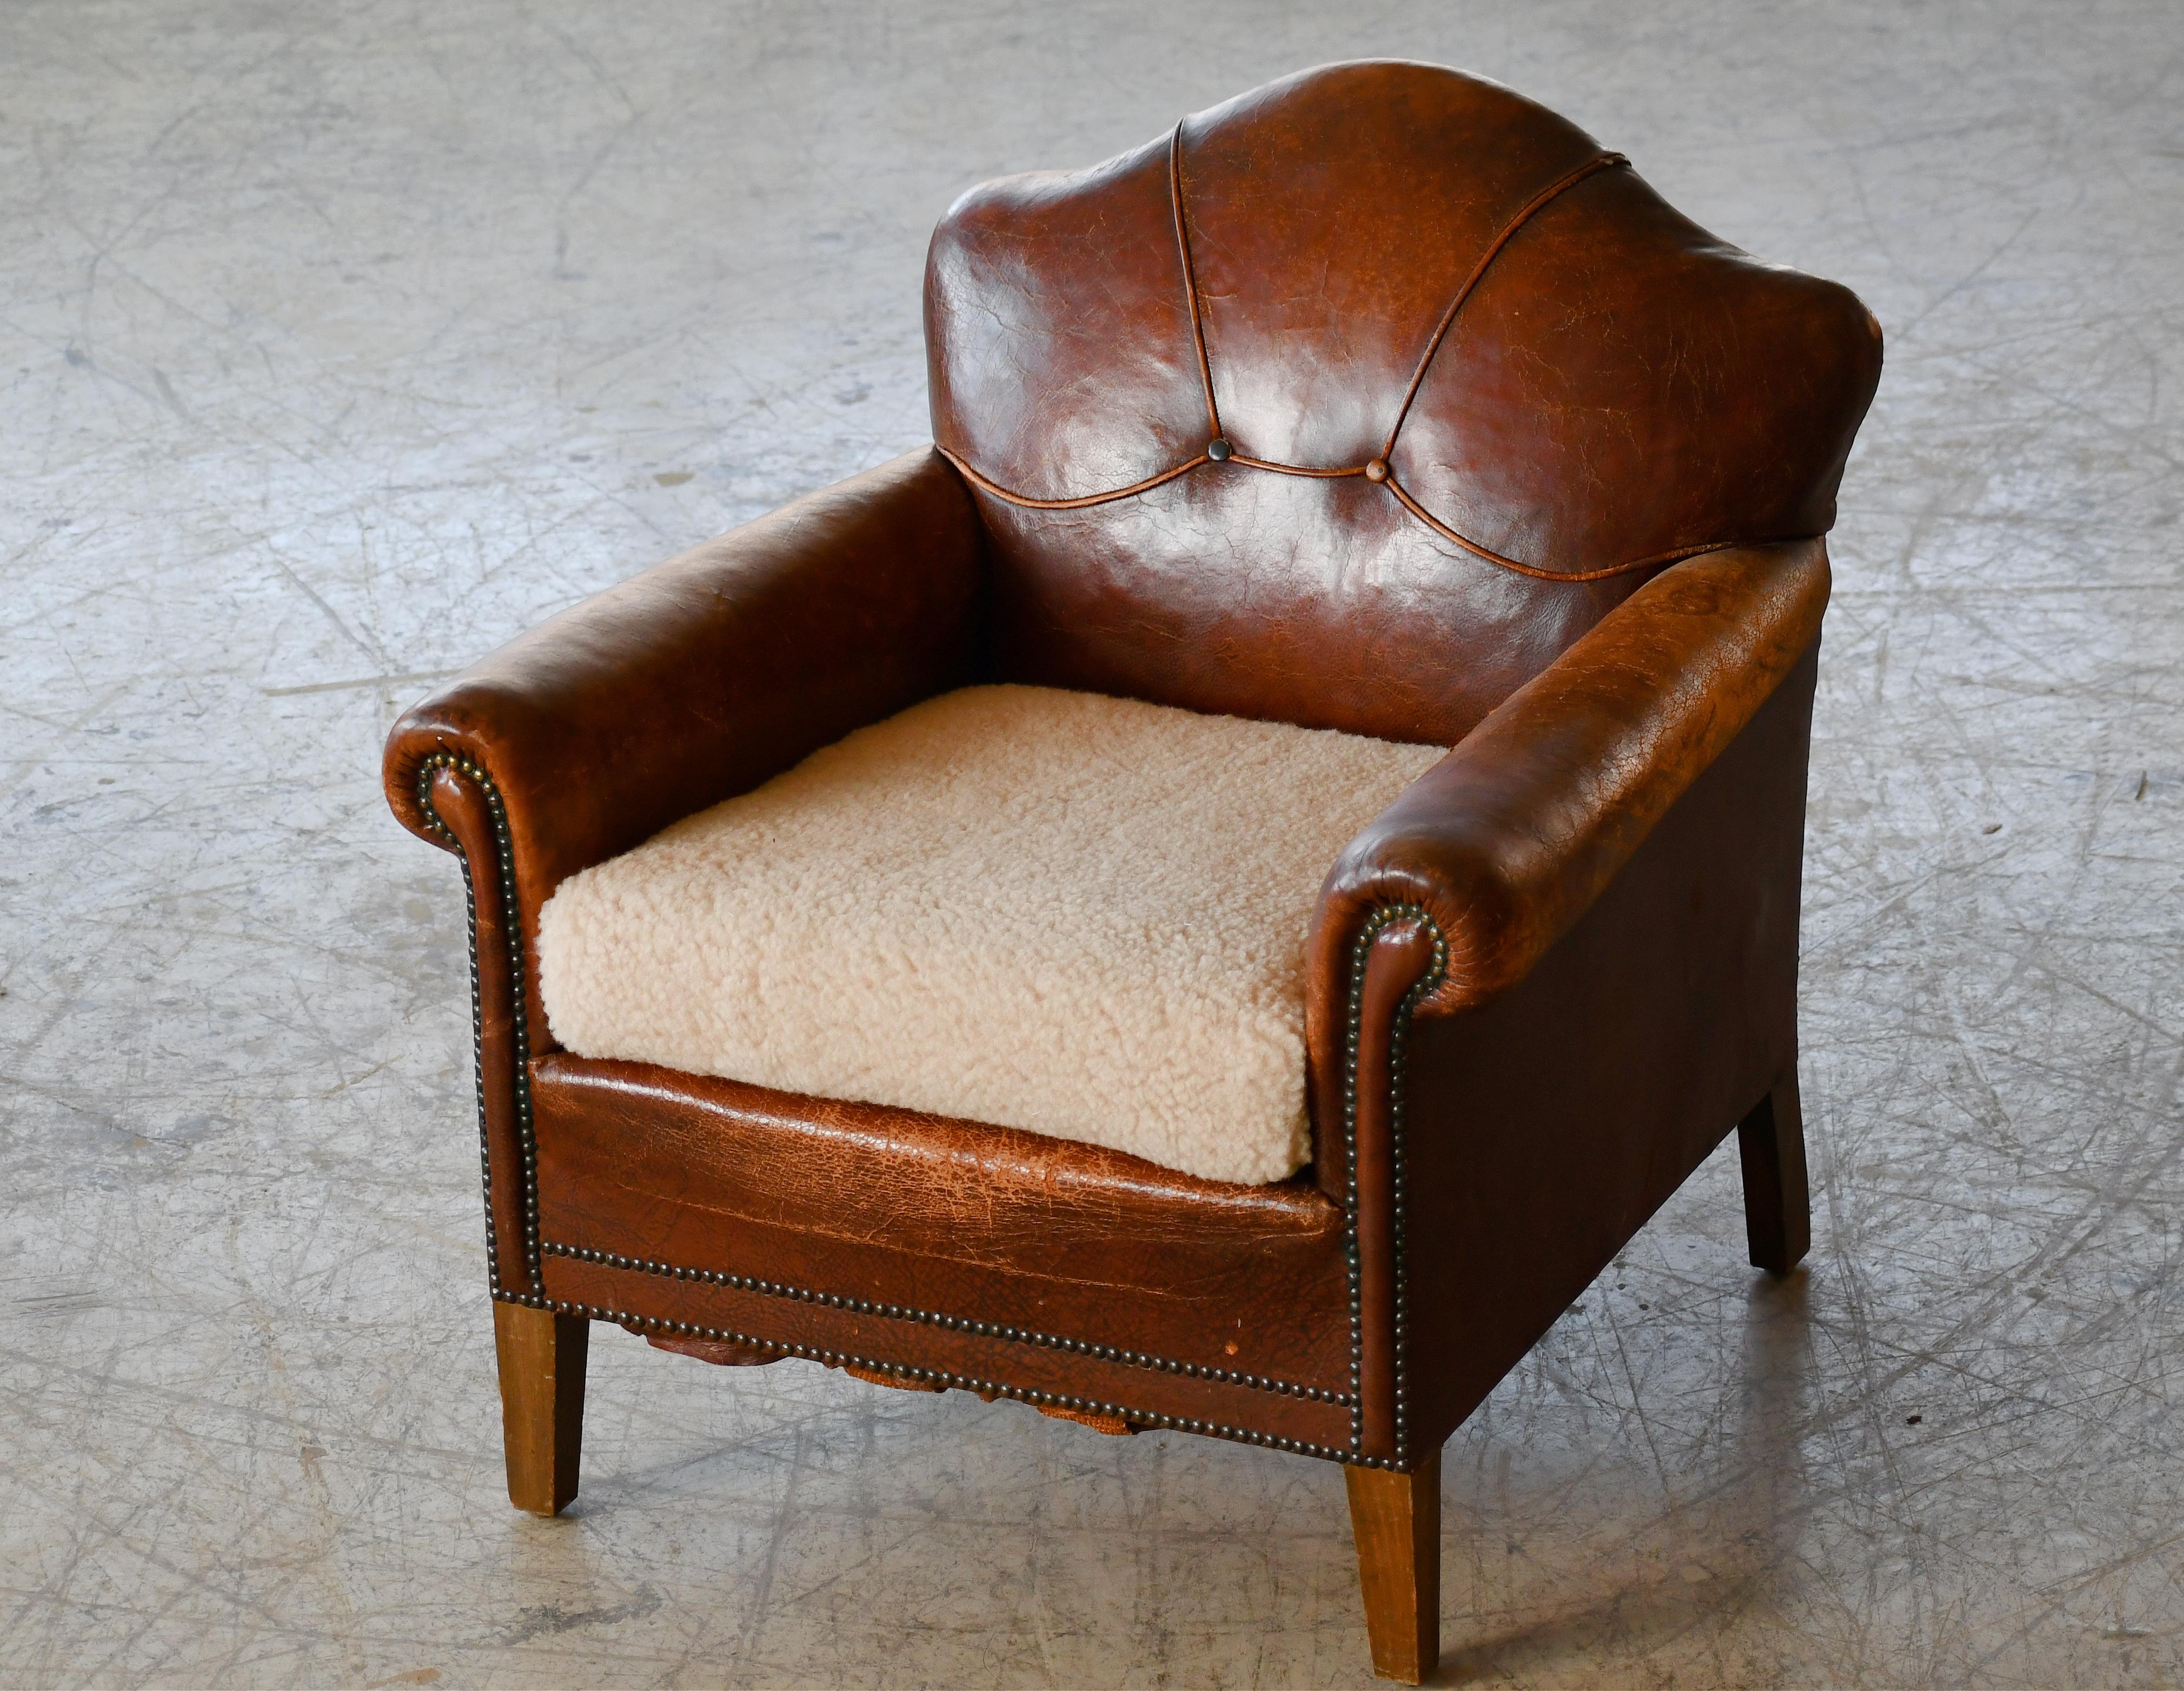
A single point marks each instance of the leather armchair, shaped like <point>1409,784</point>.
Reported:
<point>1582,548</point>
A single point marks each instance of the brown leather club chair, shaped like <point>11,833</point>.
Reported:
<point>1379,400</point>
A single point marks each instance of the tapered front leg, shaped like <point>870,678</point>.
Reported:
<point>1778,1210</point>
<point>1396,1520</point>
<point>541,1403</point>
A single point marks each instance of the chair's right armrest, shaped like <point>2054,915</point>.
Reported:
<point>1508,840</point>
<point>709,675</point>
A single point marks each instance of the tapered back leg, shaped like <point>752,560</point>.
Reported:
<point>1396,1520</point>
<point>1778,1214</point>
<point>541,1403</point>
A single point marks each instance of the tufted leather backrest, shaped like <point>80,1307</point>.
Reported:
<point>1352,402</point>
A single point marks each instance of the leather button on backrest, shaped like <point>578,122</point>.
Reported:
<point>1217,449</point>
<point>1377,470</point>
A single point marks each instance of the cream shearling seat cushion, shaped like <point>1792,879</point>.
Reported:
<point>1081,916</point>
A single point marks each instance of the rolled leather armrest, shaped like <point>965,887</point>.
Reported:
<point>1507,841</point>
<point>707,676</point>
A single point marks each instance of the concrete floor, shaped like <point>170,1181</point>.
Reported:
<point>338,344</point>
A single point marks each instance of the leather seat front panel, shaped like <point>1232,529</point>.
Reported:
<point>938,1218</point>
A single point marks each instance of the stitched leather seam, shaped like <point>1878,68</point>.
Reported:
<point>1442,529</point>
<point>1030,504</point>
<point>512,927</point>
<point>1560,186</point>
<point>1297,469</point>
<point>1190,276</point>
<point>964,1324</point>
<point>1508,231</point>
<point>1361,952</point>
<point>941,1377</point>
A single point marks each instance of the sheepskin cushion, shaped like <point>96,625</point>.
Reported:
<point>1081,916</point>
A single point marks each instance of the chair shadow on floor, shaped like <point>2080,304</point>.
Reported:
<point>1744,1525</point>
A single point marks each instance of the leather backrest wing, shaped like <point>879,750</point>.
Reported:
<point>1352,402</point>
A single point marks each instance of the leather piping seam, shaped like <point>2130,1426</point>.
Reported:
<point>511,926</point>
<point>1561,185</point>
<point>1525,214</point>
<point>963,1324</point>
<point>1190,276</point>
<point>1295,468</point>
<point>1361,952</point>
<point>1439,527</point>
<point>969,1383</point>
<point>1089,499</point>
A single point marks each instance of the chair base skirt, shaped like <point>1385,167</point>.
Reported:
<point>1045,1370</point>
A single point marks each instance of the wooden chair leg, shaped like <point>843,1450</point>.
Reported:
<point>541,1403</point>
<point>1396,1520</point>
<point>1778,1209</point>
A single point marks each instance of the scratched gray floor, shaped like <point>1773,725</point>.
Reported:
<point>338,343</point>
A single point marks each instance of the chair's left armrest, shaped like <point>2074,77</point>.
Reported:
<point>708,675</point>
<point>1507,841</point>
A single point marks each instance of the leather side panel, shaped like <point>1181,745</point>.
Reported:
<point>1547,1126</point>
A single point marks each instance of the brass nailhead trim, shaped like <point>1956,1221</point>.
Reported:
<point>963,1324</point>
<point>1398,1037</point>
<point>511,926</point>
